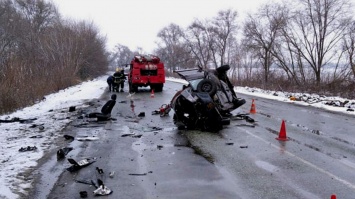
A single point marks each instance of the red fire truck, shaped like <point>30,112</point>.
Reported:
<point>146,70</point>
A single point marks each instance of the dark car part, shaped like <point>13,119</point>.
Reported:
<point>206,101</point>
<point>208,86</point>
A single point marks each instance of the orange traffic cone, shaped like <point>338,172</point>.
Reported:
<point>282,134</point>
<point>252,109</point>
<point>152,94</point>
<point>333,196</point>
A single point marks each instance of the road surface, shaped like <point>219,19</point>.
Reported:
<point>151,158</point>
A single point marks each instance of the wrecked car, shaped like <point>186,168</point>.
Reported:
<point>207,101</point>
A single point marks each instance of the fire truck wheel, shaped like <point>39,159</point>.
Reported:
<point>157,87</point>
<point>132,88</point>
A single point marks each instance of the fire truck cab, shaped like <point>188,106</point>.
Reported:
<point>146,70</point>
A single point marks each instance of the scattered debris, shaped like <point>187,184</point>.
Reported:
<point>87,138</point>
<point>37,136</point>
<point>100,171</point>
<point>141,114</point>
<point>156,128</point>
<point>137,136</point>
<point>137,174</point>
<point>86,181</point>
<point>163,110</point>
<point>102,191</point>
<point>72,109</point>
<point>111,174</point>
<point>83,194</point>
<point>61,153</point>
<point>40,126</point>
<point>132,135</point>
<point>99,182</point>
<point>81,164</point>
<point>69,137</point>
<point>248,125</point>
<point>244,117</point>
<point>126,135</point>
<point>16,119</point>
<point>28,148</point>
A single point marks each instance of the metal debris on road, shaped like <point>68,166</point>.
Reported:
<point>28,148</point>
<point>102,191</point>
<point>87,138</point>
<point>16,119</point>
<point>61,153</point>
<point>243,117</point>
<point>111,174</point>
<point>69,137</point>
<point>83,194</point>
<point>163,110</point>
<point>137,174</point>
<point>72,109</point>
<point>81,164</point>
<point>100,171</point>
<point>141,114</point>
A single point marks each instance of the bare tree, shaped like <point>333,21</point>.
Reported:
<point>120,56</point>
<point>39,13</point>
<point>39,54</point>
<point>349,47</point>
<point>172,47</point>
<point>8,23</point>
<point>316,30</point>
<point>199,41</point>
<point>261,31</point>
<point>222,31</point>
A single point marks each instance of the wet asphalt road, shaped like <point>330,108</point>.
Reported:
<point>150,158</point>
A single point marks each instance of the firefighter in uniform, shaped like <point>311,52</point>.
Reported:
<point>119,78</point>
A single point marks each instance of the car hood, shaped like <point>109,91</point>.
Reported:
<point>190,74</point>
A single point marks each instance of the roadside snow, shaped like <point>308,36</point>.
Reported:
<point>331,103</point>
<point>52,116</point>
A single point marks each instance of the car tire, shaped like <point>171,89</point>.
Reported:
<point>207,86</point>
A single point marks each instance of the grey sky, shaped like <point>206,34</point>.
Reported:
<point>135,23</point>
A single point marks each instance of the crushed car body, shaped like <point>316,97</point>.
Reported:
<point>206,102</point>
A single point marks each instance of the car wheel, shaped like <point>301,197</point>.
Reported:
<point>207,86</point>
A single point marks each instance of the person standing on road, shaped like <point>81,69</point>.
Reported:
<point>110,82</point>
<point>119,78</point>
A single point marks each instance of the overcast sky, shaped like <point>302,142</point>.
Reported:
<point>136,23</point>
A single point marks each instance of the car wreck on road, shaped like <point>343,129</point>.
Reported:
<point>207,101</point>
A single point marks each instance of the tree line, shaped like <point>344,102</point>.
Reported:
<point>41,53</point>
<point>299,45</point>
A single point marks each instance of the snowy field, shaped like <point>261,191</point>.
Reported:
<point>51,115</point>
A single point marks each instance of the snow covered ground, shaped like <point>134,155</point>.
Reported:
<point>51,116</point>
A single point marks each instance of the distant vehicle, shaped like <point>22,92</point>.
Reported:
<point>206,102</point>
<point>146,70</point>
